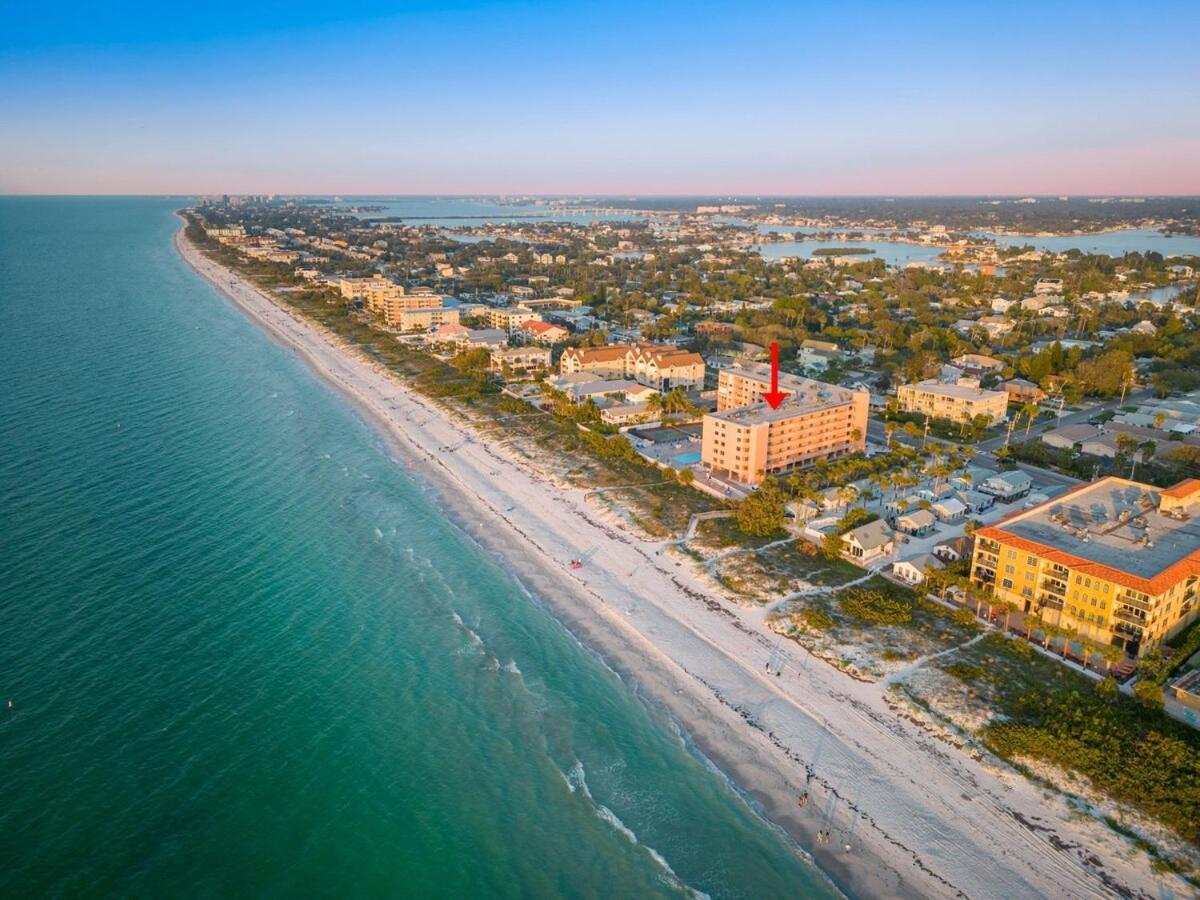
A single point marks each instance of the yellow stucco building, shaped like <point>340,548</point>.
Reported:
<point>1115,561</point>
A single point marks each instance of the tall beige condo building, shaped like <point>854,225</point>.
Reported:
<point>747,440</point>
<point>1115,561</point>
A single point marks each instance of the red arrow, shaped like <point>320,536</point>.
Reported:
<point>774,396</point>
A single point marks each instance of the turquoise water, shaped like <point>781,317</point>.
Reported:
<point>249,655</point>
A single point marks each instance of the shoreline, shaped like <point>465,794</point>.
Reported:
<point>920,821</point>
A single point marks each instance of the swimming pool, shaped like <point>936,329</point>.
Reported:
<point>688,459</point>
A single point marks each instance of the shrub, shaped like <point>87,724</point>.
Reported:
<point>1148,692</point>
<point>963,617</point>
<point>1135,754</point>
<point>815,618</point>
<point>963,671</point>
<point>876,607</point>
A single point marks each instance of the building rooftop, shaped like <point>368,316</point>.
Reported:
<point>804,395</point>
<point>1115,525</point>
<point>959,391</point>
<point>871,536</point>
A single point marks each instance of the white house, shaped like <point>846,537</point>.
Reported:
<point>917,522</point>
<point>912,571</point>
<point>950,509</point>
<point>869,542</point>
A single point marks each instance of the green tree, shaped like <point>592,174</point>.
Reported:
<point>763,512</point>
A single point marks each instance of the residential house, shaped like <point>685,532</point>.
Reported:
<point>868,543</point>
<point>949,509</point>
<point>916,522</point>
<point>1007,486</point>
<point>977,364</point>
<point>1022,391</point>
<point>913,571</point>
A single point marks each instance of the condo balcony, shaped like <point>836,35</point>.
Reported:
<point>1055,586</point>
<point>1136,603</point>
<point>1126,629</point>
<point>1126,615</point>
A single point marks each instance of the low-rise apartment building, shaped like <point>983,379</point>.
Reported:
<point>375,291</point>
<point>511,318</point>
<point>659,366</point>
<point>392,307</point>
<point>1116,561</point>
<point>424,319</point>
<point>527,359</point>
<point>747,440</point>
<point>961,400</point>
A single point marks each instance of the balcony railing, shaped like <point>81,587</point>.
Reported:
<point>1124,628</point>
<point>1049,601</point>
<point>1050,584</point>
<point>1126,615</point>
<point>1134,602</point>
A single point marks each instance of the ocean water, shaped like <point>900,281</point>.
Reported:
<point>248,654</point>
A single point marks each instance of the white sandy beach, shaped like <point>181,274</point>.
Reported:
<point>921,817</point>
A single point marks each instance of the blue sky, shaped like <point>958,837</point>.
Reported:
<point>467,97</point>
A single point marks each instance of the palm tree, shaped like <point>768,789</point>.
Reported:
<point>881,482</point>
<point>1066,634</point>
<point>1049,633</point>
<point>1032,618</point>
<point>1111,655</point>
<point>890,429</point>
<point>1009,609</point>
<point>1030,410</point>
